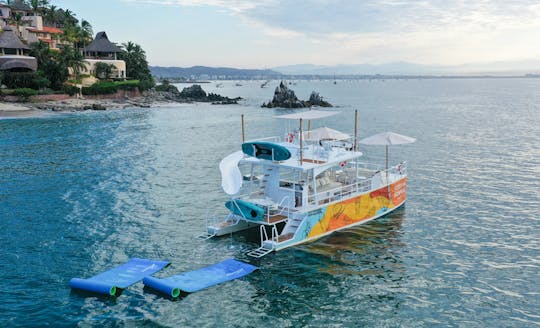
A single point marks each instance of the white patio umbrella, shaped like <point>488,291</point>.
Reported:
<point>387,139</point>
<point>325,133</point>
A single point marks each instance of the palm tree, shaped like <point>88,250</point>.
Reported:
<point>85,32</point>
<point>136,63</point>
<point>73,59</point>
<point>38,6</point>
<point>52,16</point>
<point>69,18</point>
<point>41,51</point>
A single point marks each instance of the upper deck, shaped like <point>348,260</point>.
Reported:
<point>313,154</point>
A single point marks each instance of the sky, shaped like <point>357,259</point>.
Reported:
<point>269,33</point>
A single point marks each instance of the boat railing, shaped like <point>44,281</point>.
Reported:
<point>282,210</point>
<point>215,219</point>
<point>239,209</point>
<point>339,193</point>
<point>360,185</point>
<point>264,235</point>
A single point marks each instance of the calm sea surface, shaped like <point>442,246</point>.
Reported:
<point>81,193</point>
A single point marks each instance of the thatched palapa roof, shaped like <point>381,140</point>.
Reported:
<point>102,44</point>
<point>10,40</point>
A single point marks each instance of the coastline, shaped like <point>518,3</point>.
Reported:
<point>44,108</point>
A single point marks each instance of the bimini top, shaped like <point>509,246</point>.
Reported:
<point>309,115</point>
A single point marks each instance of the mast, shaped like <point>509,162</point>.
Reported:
<point>301,159</point>
<point>356,130</point>
<point>243,130</point>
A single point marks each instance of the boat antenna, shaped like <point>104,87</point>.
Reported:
<point>243,130</point>
<point>356,130</point>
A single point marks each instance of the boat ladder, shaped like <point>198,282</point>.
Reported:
<point>260,252</point>
<point>264,249</point>
<point>205,236</point>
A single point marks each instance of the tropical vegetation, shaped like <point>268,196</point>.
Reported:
<point>56,67</point>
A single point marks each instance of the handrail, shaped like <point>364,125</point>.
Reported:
<point>357,187</point>
<point>274,234</point>
<point>280,205</point>
<point>263,234</point>
<point>239,209</point>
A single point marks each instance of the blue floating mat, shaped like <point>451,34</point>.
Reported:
<point>200,279</point>
<point>120,277</point>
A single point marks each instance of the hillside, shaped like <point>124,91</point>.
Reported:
<point>215,73</point>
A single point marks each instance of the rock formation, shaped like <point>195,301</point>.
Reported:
<point>316,100</point>
<point>189,94</point>
<point>285,98</point>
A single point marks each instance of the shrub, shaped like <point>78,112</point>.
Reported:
<point>71,90</point>
<point>103,70</point>
<point>100,88</point>
<point>24,93</point>
<point>15,80</point>
<point>165,87</point>
<point>105,88</point>
<point>128,85</point>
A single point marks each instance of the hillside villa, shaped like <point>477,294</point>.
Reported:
<point>14,53</point>
<point>15,41</point>
<point>104,51</point>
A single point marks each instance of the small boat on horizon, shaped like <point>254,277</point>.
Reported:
<point>306,185</point>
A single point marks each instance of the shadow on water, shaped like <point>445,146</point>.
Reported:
<point>342,265</point>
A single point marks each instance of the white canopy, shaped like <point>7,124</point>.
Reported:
<point>325,133</point>
<point>309,115</point>
<point>387,138</point>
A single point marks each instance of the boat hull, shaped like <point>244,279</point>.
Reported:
<point>348,213</point>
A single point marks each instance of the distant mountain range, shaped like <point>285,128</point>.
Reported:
<point>214,73</point>
<point>509,68</point>
<point>406,68</point>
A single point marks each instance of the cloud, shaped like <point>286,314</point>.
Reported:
<point>428,31</point>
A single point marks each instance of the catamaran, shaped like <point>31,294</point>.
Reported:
<point>306,184</point>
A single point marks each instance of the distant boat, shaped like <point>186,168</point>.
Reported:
<point>219,85</point>
<point>265,84</point>
<point>238,84</point>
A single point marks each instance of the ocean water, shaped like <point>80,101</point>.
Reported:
<point>83,192</point>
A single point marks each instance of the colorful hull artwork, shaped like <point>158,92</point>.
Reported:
<point>350,212</point>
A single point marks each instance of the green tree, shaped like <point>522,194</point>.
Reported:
<point>56,72</point>
<point>85,33</point>
<point>51,15</point>
<point>103,70</point>
<point>73,59</point>
<point>38,6</point>
<point>41,51</point>
<point>50,66</point>
<point>136,63</point>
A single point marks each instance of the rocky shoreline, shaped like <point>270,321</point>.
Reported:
<point>150,98</point>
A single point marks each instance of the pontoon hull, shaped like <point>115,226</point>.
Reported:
<point>348,213</point>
